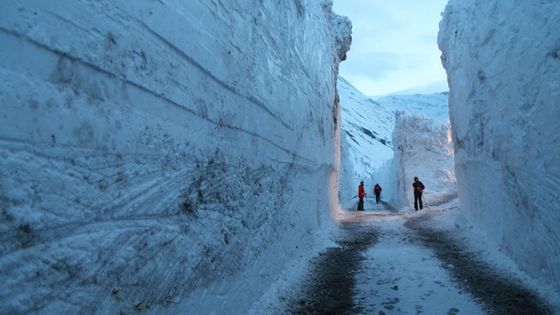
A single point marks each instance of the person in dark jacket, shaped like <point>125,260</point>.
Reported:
<point>361,195</point>
<point>377,191</point>
<point>418,188</point>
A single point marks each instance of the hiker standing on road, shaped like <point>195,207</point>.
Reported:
<point>377,191</point>
<point>361,195</point>
<point>418,189</point>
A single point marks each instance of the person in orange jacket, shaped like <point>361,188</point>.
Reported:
<point>377,191</point>
<point>361,195</point>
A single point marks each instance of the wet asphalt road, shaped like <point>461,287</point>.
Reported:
<point>329,288</point>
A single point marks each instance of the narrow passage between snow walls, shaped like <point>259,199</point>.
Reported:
<point>391,259</point>
<point>181,157</point>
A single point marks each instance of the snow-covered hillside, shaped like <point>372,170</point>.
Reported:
<point>366,149</point>
<point>504,90</point>
<point>149,149</point>
<point>433,106</point>
<point>370,130</point>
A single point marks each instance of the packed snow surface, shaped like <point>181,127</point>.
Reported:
<point>504,91</point>
<point>404,278</point>
<point>150,149</point>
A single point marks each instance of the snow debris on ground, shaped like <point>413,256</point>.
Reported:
<point>400,277</point>
<point>449,219</point>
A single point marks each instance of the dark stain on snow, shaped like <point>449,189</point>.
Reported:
<point>367,132</point>
<point>329,288</point>
<point>351,137</point>
<point>373,136</point>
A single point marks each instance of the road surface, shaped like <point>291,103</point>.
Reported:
<point>386,263</point>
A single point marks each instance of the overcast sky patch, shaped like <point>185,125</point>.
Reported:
<point>394,45</point>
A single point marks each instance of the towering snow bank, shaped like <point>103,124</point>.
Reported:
<point>423,148</point>
<point>150,148</point>
<point>365,144</point>
<point>503,65</point>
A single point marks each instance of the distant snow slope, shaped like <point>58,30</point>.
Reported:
<point>433,106</point>
<point>503,64</point>
<point>150,148</point>
<point>368,142</point>
<point>430,88</point>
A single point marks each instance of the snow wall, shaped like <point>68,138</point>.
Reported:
<point>423,148</point>
<point>149,149</point>
<point>503,63</point>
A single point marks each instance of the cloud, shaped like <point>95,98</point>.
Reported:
<point>374,64</point>
<point>393,44</point>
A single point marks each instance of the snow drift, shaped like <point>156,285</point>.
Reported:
<point>504,91</point>
<point>148,149</point>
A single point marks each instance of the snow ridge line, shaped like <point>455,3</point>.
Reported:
<point>20,144</point>
<point>136,196</point>
<point>146,90</point>
<point>73,229</point>
<point>221,83</point>
<point>128,201</point>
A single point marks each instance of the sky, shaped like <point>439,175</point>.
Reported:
<point>394,46</point>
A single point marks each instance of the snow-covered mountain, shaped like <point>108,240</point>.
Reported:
<point>433,106</point>
<point>504,90</point>
<point>430,88</point>
<point>372,138</point>
<point>153,151</point>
